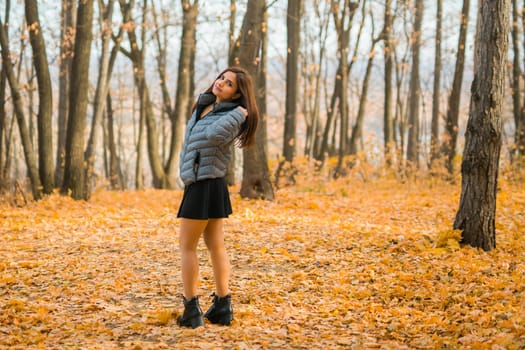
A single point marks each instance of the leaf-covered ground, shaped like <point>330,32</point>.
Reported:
<point>343,265</point>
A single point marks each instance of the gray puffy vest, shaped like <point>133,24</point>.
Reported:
<point>206,152</point>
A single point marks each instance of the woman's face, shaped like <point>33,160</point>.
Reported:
<point>225,87</point>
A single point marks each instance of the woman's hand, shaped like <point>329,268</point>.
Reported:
<point>244,110</point>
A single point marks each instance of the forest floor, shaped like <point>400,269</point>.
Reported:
<point>346,264</point>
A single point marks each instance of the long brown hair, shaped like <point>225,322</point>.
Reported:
<point>246,136</point>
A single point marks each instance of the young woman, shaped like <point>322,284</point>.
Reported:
<point>224,113</point>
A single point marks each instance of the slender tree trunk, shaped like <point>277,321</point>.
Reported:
<point>260,86</point>
<point>76,126</point>
<point>45,98</point>
<point>519,112</point>
<point>231,34</point>
<point>4,156</point>
<point>232,52</point>
<point>451,124</point>
<point>136,54</point>
<point>293,25</point>
<point>436,95</point>
<point>139,177</point>
<point>313,138</point>
<point>342,43</point>
<point>331,112</point>
<point>115,176</point>
<point>519,137</point>
<point>184,95</point>
<point>101,93</point>
<point>401,64</point>
<point>29,154</point>
<point>256,175</point>
<point>388,122</point>
<point>357,130</point>
<point>415,90</point>
<point>336,103</point>
<point>3,120</point>
<point>479,169</point>
<point>67,41</point>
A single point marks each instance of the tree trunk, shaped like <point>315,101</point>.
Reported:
<point>342,49</point>
<point>67,41</point>
<point>3,120</point>
<point>519,137</point>
<point>115,176</point>
<point>29,154</point>
<point>293,25</point>
<point>451,124</point>
<point>160,179</point>
<point>388,122</point>
<point>78,102</point>
<point>436,95</point>
<point>336,103</point>
<point>100,95</point>
<point>3,115</point>
<point>230,174</point>
<point>415,90</point>
<point>256,175</point>
<point>45,98</point>
<point>479,169</point>
<point>231,34</point>
<point>139,177</point>
<point>313,79</point>
<point>184,95</point>
<point>519,112</point>
<point>357,130</point>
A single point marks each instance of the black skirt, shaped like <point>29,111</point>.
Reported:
<point>206,199</point>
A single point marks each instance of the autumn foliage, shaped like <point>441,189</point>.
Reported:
<point>356,263</point>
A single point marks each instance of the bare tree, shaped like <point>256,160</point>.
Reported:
<point>67,41</point>
<point>357,129</point>
<point>101,92</point>
<point>230,174</point>
<point>256,175</point>
<point>45,97</point>
<point>415,89</point>
<point>436,95</point>
<point>388,122</point>
<point>401,55</point>
<point>479,168</point>
<point>344,19</point>
<point>114,170</point>
<point>313,63</point>
<point>29,154</point>
<point>519,109</point>
<point>136,54</point>
<point>76,126</point>
<point>343,34</point>
<point>184,94</point>
<point>293,25</point>
<point>451,124</point>
<point>4,155</point>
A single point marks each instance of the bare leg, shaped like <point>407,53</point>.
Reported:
<point>190,232</point>
<point>214,239</point>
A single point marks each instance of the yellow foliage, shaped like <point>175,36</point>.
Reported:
<point>357,264</point>
<point>448,238</point>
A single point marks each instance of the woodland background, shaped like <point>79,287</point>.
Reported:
<point>342,234</point>
<point>405,100</point>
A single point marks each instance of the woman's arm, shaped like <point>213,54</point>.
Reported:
<point>227,127</point>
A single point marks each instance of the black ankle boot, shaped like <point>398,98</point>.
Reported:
<point>192,316</point>
<point>221,311</point>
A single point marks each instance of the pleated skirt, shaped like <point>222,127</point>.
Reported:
<point>206,199</point>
